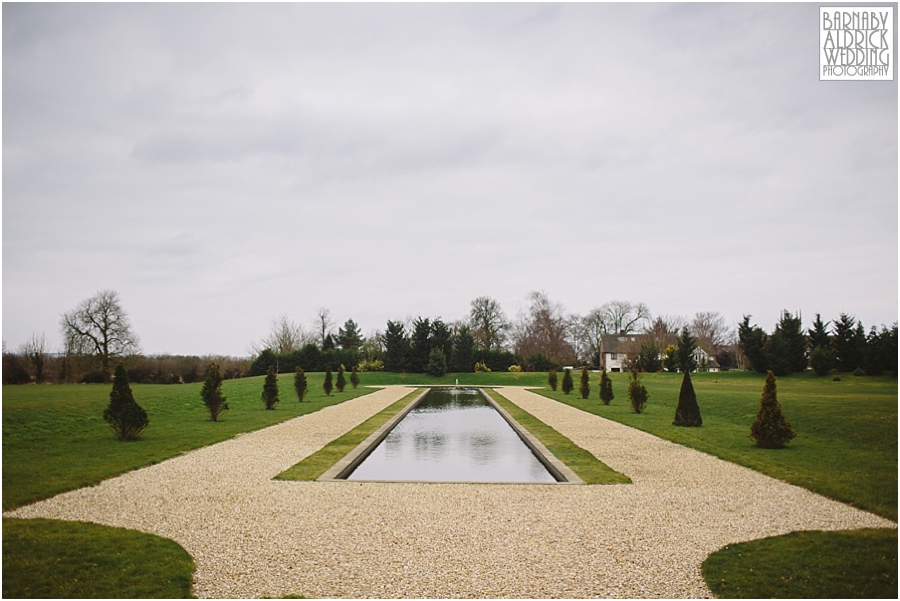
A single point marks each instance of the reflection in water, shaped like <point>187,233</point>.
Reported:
<point>452,436</point>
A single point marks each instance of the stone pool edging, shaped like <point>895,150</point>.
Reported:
<point>556,467</point>
<point>340,470</point>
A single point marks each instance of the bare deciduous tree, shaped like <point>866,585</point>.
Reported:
<point>36,352</point>
<point>543,329</point>
<point>664,329</point>
<point>99,326</point>
<point>284,337</point>
<point>625,316</point>
<point>710,329</point>
<point>324,324</point>
<point>591,329</point>
<point>488,322</point>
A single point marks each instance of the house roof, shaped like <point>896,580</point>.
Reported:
<point>616,343</point>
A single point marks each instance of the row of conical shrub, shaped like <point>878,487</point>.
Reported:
<point>128,419</point>
<point>770,430</point>
<point>270,387</point>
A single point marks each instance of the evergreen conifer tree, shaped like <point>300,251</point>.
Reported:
<point>354,378</point>
<point>270,388</point>
<point>328,344</point>
<point>349,338</point>
<point>123,414</point>
<point>341,381</point>
<point>753,344</point>
<point>420,345</point>
<point>770,430</point>
<point>585,388</point>
<point>551,379</point>
<point>606,390</point>
<point>791,329</point>
<point>821,359</point>
<point>437,362</point>
<point>300,384</point>
<point>462,356</point>
<point>212,392</point>
<point>848,348</point>
<point>328,386</point>
<point>567,384</point>
<point>637,392</point>
<point>396,347</point>
<point>686,346</point>
<point>818,334</point>
<point>688,412</point>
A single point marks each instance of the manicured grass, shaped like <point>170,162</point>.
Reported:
<point>318,463</point>
<point>582,462</point>
<point>846,447</point>
<point>57,559</point>
<point>55,439</point>
<point>807,565</point>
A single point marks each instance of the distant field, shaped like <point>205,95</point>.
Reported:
<point>846,446</point>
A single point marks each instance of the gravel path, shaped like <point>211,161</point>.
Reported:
<point>251,536</point>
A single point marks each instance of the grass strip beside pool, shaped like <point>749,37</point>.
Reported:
<point>54,559</point>
<point>807,565</point>
<point>318,463</point>
<point>582,462</point>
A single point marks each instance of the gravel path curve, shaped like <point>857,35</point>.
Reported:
<point>251,536</point>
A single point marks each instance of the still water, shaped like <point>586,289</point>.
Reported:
<point>452,436</point>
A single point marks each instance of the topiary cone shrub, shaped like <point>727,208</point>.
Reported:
<point>328,386</point>
<point>567,384</point>
<point>606,390</point>
<point>300,384</point>
<point>551,379</point>
<point>770,430</point>
<point>212,393</point>
<point>270,388</point>
<point>354,378</point>
<point>688,412</point>
<point>341,381</point>
<point>585,388</point>
<point>123,414</point>
<point>637,393</point>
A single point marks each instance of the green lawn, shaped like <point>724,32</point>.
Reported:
<point>845,449</point>
<point>58,559</point>
<point>54,439</point>
<point>855,564</point>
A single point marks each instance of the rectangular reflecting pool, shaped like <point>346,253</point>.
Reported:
<point>453,435</point>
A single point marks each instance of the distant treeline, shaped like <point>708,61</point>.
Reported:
<point>22,368</point>
<point>312,358</point>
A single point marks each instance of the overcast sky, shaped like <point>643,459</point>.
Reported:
<point>219,165</point>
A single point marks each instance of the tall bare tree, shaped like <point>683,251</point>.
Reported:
<point>99,326</point>
<point>488,323</point>
<point>36,351</point>
<point>324,324</point>
<point>625,316</point>
<point>664,329</point>
<point>710,329</point>
<point>284,337</point>
<point>591,329</point>
<point>543,329</point>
